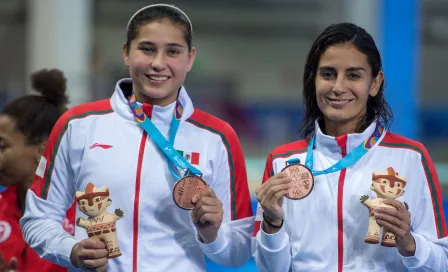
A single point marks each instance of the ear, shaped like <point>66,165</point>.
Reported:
<point>375,87</point>
<point>191,58</point>
<point>125,53</point>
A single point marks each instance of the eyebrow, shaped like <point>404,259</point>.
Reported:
<point>351,69</point>
<point>153,44</point>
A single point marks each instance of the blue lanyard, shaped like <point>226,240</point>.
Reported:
<point>349,159</point>
<point>165,146</point>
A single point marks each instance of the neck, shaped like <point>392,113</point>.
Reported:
<point>22,190</point>
<point>162,102</point>
<point>337,129</point>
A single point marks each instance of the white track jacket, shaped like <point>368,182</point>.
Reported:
<point>325,231</point>
<point>102,143</point>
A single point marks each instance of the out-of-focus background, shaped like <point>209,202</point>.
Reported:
<point>249,63</point>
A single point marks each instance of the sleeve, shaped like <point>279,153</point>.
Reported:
<point>272,252</point>
<point>49,198</point>
<point>428,222</point>
<point>233,245</point>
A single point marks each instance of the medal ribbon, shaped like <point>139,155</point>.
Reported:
<point>346,161</point>
<point>165,146</point>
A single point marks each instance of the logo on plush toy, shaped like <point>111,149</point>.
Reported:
<point>93,202</point>
<point>387,185</point>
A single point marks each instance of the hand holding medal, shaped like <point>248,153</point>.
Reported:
<point>192,193</point>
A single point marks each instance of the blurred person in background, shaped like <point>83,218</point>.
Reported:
<point>102,144</point>
<point>25,124</point>
<point>348,149</point>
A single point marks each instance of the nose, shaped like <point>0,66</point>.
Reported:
<point>159,62</point>
<point>339,85</point>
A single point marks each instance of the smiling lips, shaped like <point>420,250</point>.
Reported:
<point>157,78</point>
<point>338,102</point>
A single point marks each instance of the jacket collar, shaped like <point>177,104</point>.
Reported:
<point>159,115</point>
<point>333,146</point>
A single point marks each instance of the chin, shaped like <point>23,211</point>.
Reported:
<point>156,93</point>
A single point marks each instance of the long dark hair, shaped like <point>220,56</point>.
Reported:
<point>377,107</point>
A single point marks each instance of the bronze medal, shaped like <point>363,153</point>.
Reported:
<point>302,181</point>
<point>185,189</point>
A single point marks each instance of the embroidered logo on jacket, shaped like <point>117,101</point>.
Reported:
<point>5,231</point>
<point>104,146</point>
<point>191,157</point>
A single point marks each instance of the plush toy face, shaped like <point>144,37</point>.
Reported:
<point>93,201</point>
<point>388,189</point>
<point>94,206</point>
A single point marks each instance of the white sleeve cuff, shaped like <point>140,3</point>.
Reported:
<point>273,242</point>
<point>219,244</point>
<point>422,250</point>
<point>63,249</point>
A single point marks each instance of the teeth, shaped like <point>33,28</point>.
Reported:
<point>339,101</point>
<point>158,78</point>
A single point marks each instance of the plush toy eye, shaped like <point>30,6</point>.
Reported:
<point>97,199</point>
<point>83,202</point>
<point>398,185</point>
<point>384,181</point>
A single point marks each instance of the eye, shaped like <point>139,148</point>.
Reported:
<point>97,199</point>
<point>384,181</point>
<point>148,49</point>
<point>327,74</point>
<point>173,52</point>
<point>354,76</point>
<point>398,185</point>
<point>83,202</point>
<point>3,145</point>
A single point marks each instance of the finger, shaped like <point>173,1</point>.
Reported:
<point>208,192</point>
<point>210,218</point>
<point>94,264</point>
<point>206,209</point>
<point>392,228</point>
<point>101,268</point>
<point>274,192</point>
<point>210,201</point>
<point>93,254</point>
<point>395,203</point>
<point>391,220</point>
<point>283,179</point>
<point>394,213</point>
<point>93,243</point>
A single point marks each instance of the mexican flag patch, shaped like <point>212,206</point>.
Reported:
<point>191,157</point>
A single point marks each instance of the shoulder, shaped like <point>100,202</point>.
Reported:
<point>82,111</point>
<point>289,149</point>
<point>213,125</point>
<point>100,107</point>
<point>392,140</point>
